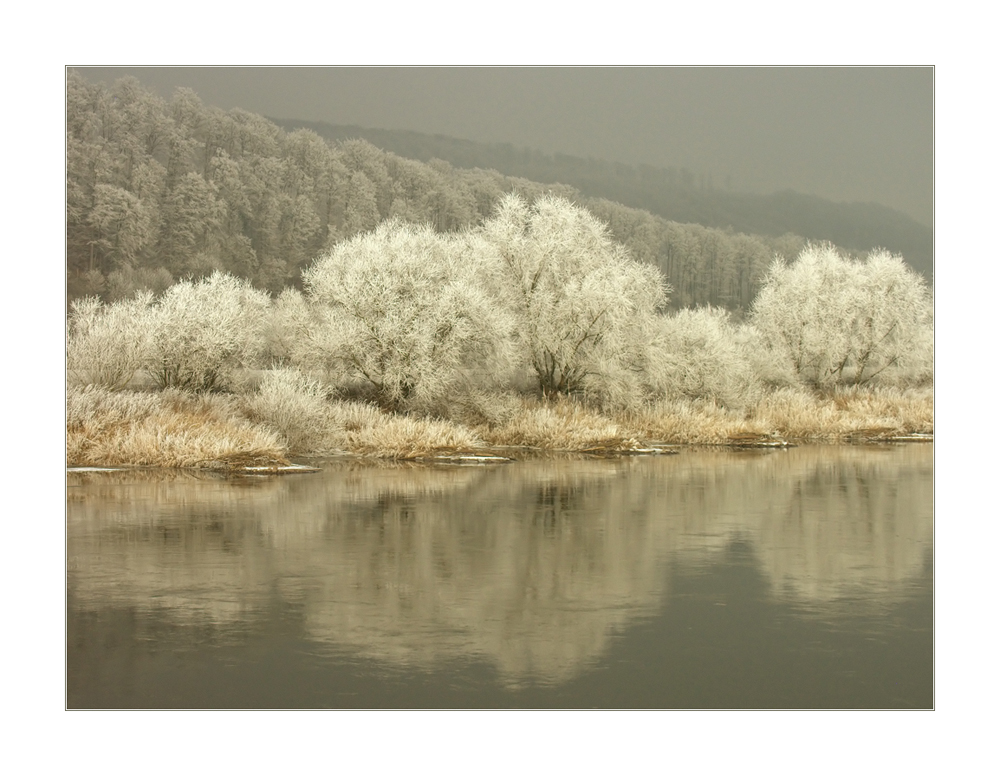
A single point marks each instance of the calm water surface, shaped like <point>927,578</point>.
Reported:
<point>791,578</point>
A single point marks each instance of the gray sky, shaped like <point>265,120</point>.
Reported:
<point>848,134</point>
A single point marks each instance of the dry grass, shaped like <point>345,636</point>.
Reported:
<point>403,437</point>
<point>170,429</point>
<point>176,429</point>
<point>847,413</point>
<point>560,425</point>
<point>792,415</point>
<point>689,422</point>
<point>312,424</point>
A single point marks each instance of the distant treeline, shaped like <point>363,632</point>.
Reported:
<point>161,190</point>
<point>677,194</point>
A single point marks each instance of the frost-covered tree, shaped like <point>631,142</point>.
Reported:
<point>192,214</point>
<point>892,327</point>
<point>107,344</point>
<point>406,310</point>
<point>842,321</point>
<point>201,332</point>
<point>288,329</point>
<point>127,281</point>
<point>362,206</point>
<point>191,188</point>
<point>698,354</point>
<point>122,224</point>
<point>581,303</point>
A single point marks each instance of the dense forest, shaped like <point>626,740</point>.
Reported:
<point>160,190</point>
<point>677,194</point>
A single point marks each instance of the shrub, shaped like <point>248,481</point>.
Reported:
<point>697,354</point>
<point>841,321</point>
<point>481,408</point>
<point>294,406</point>
<point>771,367</point>
<point>286,329</point>
<point>107,344</point>
<point>202,331</point>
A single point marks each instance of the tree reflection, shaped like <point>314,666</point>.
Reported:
<point>531,566</point>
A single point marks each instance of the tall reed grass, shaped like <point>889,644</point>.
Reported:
<point>297,408</point>
<point>168,429</point>
<point>561,424</point>
<point>689,422</point>
<point>847,412</point>
<point>791,414</point>
<point>290,414</point>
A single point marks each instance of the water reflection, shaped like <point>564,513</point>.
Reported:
<point>532,566</point>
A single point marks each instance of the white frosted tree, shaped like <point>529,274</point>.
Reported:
<point>201,332</point>
<point>107,344</point>
<point>406,310</point>
<point>892,327</point>
<point>796,306</point>
<point>286,333</point>
<point>361,213</point>
<point>582,305</point>
<point>122,223</point>
<point>842,321</point>
<point>697,353</point>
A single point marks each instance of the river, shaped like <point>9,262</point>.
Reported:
<point>797,578</point>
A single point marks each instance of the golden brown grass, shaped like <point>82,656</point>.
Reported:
<point>847,413</point>
<point>795,415</point>
<point>169,429</point>
<point>403,437</point>
<point>560,425</point>
<point>688,422</point>
<point>176,429</point>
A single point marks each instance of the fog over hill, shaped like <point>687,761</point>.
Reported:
<point>677,194</point>
<point>847,134</point>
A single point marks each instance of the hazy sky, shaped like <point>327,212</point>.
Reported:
<point>848,134</point>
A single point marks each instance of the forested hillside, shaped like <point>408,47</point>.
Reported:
<point>674,193</point>
<point>161,190</point>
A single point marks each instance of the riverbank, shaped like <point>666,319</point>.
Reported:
<point>227,432</point>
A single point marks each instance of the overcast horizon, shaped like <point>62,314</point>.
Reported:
<point>845,134</point>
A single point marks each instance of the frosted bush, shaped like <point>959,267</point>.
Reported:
<point>107,344</point>
<point>201,332</point>
<point>293,405</point>
<point>698,354</point>
<point>770,366</point>
<point>479,408</point>
<point>840,321</point>
<point>286,329</point>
